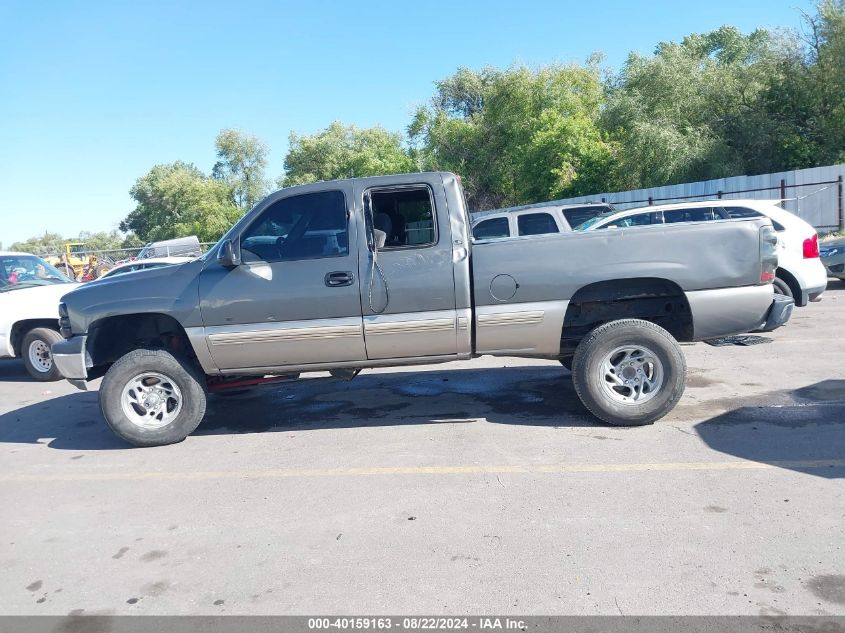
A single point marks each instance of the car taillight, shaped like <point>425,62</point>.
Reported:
<point>811,247</point>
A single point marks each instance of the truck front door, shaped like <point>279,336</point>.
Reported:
<point>295,298</point>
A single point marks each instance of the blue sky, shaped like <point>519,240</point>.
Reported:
<point>92,94</point>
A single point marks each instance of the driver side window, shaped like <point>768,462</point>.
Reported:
<point>307,226</point>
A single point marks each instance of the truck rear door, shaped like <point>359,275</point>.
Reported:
<point>408,294</point>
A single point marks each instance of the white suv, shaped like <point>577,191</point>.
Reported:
<point>800,273</point>
<point>536,220</point>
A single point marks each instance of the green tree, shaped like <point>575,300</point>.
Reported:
<point>518,135</point>
<point>692,111</point>
<point>241,164</point>
<point>101,240</point>
<point>344,151</point>
<point>806,99</point>
<point>47,244</point>
<point>177,199</point>
<point>132,241</point>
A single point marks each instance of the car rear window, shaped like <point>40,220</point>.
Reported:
<point>698,214</point>
<point>743,212</point>
<point>495,227</point>
<point>536,224</point>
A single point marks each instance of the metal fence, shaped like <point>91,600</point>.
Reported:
<point>814,194</point>
<point>118,254</point>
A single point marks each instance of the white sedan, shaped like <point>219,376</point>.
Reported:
<point>30,290</point>
<point>145,264</point>
<point>800,273</point>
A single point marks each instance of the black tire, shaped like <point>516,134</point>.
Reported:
<point>566,362</point>
<point>782,288</point>
<point>588,377</point>
<point>189,380</point>
<point>45,370</point>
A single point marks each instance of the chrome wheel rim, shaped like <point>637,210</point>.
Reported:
<point>151,400</point>
<point>631,374</point>
<point>40,356</point>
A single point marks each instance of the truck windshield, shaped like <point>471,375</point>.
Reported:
<point>26,271</point>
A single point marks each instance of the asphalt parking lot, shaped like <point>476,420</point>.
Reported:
<point>473,487</point>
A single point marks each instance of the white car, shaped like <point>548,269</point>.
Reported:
<point>536,220</point>
<point>30,290</point>
<point>145,264</point>
<point>800,274</point>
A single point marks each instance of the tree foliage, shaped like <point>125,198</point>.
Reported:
<point>177,199</point>
<point>241,164</point>
<point>344,151</point>
<point>54,244</point>
<point>47,244</point>
<point>517,135</point>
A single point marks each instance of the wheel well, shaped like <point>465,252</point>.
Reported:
<point>790,280</point>
<point>652,299</point>
<point>20,329</point>
<point>112,337</point>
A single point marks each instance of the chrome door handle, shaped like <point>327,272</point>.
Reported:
<point>339,278</point>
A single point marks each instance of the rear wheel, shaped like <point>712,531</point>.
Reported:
<point>629,372</point>
<point>36,354</point>
<point>149,397</point>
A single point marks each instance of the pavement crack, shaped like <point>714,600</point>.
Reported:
<point>677,428</point>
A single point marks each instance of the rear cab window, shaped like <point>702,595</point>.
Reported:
<point>405,215</point>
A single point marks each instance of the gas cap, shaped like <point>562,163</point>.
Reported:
<point>503,287</point>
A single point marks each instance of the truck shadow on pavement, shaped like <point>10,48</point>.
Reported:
<point>790,436</point>
<point>540,396</point>
<point>13,371</point>
<point>808,427</point>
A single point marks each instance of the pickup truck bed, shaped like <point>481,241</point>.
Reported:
<point>382,271</point>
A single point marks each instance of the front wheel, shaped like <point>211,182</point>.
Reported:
<point>629,372</point>
<point>37,357</point>
<point>149,397</point>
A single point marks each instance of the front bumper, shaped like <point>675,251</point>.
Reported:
<point>72,360</point>
<point>779,313</point>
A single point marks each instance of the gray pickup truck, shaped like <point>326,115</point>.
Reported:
<point>382,271</point>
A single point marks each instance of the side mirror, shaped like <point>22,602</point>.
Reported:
<point>227,255</point>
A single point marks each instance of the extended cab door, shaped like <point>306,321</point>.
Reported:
<point>295,298</point>
<point>408,289</point>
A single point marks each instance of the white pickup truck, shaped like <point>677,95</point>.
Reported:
<point>30,290</point>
